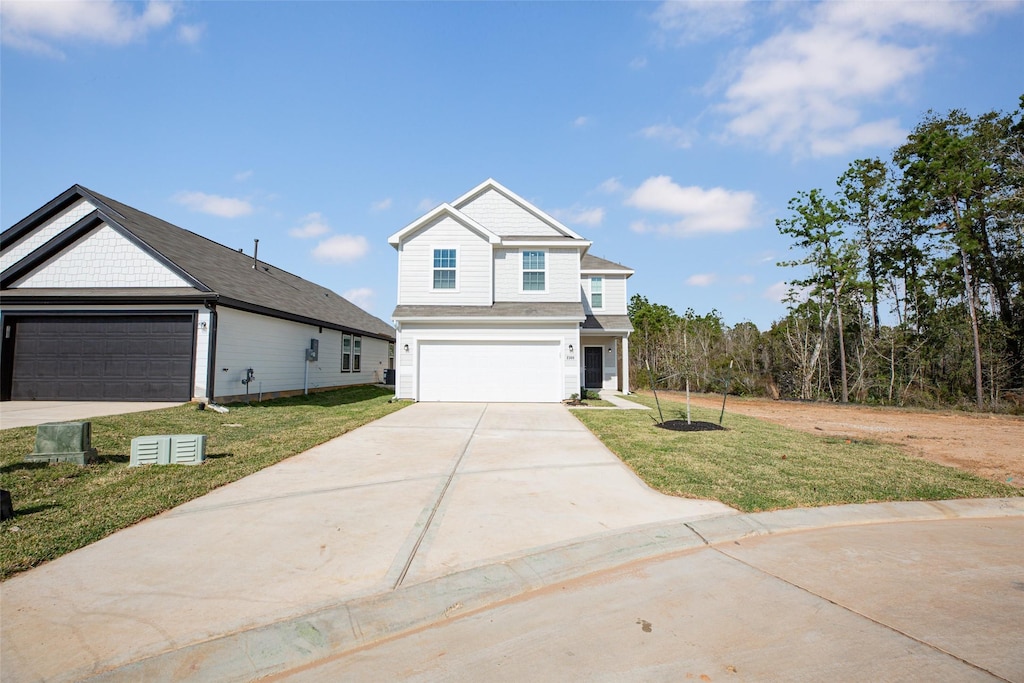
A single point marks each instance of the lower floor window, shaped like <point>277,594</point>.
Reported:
<point>357,353</point>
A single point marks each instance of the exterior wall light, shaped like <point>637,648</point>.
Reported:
<point>406,348</point>
<point>570,348</point>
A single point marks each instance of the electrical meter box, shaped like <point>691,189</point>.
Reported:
<point>313,352</point>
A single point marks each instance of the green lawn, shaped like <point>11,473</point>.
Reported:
<point>60,508</point>
<point>755,465</point>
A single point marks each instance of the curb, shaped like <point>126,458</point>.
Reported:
<point>282,646</point>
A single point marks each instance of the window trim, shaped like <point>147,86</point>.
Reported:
<point>598,279</point>
<point>523,271</point>
<point>433,270</point>
<point>346,355</point>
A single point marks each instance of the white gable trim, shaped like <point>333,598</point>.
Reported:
<point>443,209</point>
<point>492,184</point>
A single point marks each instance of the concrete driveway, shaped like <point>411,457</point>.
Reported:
<point>429,491</point>
<point>31,413</point>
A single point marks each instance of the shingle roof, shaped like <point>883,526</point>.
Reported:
<point>589,262</point>
<point>229,274</point>
<point>573,310</point>
<point>610,323</point>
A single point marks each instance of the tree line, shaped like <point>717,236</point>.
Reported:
<point>909,284</point>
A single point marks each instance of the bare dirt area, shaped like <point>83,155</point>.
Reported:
<point>990,446</point>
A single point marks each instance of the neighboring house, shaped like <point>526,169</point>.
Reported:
<point>100,301</point>
<point>498,301</point>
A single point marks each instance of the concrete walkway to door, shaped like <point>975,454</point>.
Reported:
<point>426,492</point>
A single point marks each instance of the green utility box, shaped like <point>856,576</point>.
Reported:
<point>164,449</point>
<point>63,442</point>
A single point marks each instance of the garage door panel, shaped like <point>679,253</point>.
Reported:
<point>500,371</point>
<point>127,357</point>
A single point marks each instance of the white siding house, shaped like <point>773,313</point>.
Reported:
<point>494,305</point>
<point>101,301</point>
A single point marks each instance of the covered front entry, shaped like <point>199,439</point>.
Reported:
<point>490,371</point>
<point>146,357</point>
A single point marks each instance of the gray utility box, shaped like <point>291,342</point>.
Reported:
<point>63,442</point>
<point>175,449</point>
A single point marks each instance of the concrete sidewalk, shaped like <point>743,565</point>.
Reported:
<point>431,490</point>
<point>32,413</point>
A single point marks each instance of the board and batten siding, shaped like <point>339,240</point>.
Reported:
<point>566,334</point>
<point>502,216</point>
<point>473,266</point>
<point>276,350</point>
<point>563,268</point>
<point>614,295</point>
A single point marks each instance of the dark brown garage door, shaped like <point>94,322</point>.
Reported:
<point>102,358</point>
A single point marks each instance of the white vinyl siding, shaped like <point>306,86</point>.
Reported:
<point>613,294</point>
<point>502,216</point>
<point>562,276</point>
<point>276,350</point>
<point>473,266</point>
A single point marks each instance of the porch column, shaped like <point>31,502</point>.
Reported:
<point>625,365</point>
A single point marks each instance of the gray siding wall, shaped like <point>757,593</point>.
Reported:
<point>615,299</point>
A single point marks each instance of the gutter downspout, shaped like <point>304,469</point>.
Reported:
<point>211,352</point>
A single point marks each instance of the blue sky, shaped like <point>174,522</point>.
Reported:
<point>672,135</point>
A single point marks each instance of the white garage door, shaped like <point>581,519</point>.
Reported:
<point>495,372</point>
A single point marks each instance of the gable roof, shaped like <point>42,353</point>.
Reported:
<point>595,264</point>
<point>434,214</point>
<point>456,210</point>
<point>493,185</point>
<point>216,273</point>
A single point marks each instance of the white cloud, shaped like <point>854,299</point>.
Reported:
<point>313,225</point>
<point>611,186</point>
<point>666,132</point>
<point>426,204</point>
<point>806,88</point>
<point>580,215</point>
<point>225,207</point>
<point>580,121</point>
<point>714,210</point>
<point>638,63</point>
<point>744,279</point>
<point>36,26</point>
<point>692,21</point>
<point>190,34</point>
<point>382,205</point>
<point>341,249</point>
<point>776,292</point>
<point>360,296</point>
<point>701,279</point>
<point>242,176</point>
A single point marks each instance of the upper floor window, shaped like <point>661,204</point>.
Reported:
<point>534,271</point>
<point>444,268</point>
<point>597,292</point>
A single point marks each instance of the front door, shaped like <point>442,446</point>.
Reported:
<point>593,367</point>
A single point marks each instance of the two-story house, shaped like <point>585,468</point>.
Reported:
<point>500,302</point>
